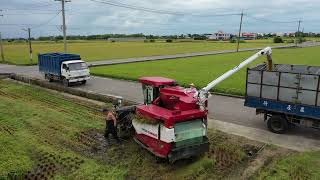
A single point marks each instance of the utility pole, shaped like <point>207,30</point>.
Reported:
<point>240,27</point>
<point>64,28</point>
<point>29,41</point>
<point>298,33</point>
<point>1,45</point>
<point>1,49</point>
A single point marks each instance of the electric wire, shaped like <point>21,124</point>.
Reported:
<point>46,22</point>
<point>24,14</point>
<point>140,8</point>
<point>271,21</point>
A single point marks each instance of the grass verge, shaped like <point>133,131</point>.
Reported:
<point>295,166</point>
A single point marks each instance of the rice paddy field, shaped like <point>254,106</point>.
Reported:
<point>18,53</point>
<point>202,70</point>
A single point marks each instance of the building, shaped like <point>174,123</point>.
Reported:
<point>220,35</point>
<point>249,36</point>
<point>280,34</point>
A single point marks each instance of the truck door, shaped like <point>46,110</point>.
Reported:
<point>64,70</point>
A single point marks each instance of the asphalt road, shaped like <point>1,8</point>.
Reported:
<point>222,108</point>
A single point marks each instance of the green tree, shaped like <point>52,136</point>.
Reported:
<point>277,39</point>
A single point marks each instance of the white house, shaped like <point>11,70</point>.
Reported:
<point>220,35</point>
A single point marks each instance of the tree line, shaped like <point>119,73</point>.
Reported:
<point>173,37</point>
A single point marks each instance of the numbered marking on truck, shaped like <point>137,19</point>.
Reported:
<point>265,103</point>
<point>302,109</point>
<point>289,108</point>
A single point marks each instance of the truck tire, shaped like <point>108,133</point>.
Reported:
<point>65,82</point>
<point>48,77</point>
<point>84,82</point>
<point>278,124</point>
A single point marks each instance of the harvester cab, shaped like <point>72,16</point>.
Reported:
<point>151,87</point>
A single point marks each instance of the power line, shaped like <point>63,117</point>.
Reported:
<point>153,25</point>
<point>34,5</point>
<point>271,21</point>
<point>47,22</point>
<point>140,8</point>
<point>17,9</point>
<point>23,14</point>
<point>47,4</point>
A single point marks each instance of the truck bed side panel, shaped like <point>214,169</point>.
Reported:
<point>291,89</point>
<point>282,107</point>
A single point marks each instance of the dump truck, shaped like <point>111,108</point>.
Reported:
<point>67,68</point>
<point>174,119</point>
<point>287,95</point>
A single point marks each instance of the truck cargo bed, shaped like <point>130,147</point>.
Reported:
<point>289,89</point>
<point>50,63</point>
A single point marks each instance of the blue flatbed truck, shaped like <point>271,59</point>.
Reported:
<point>67,68</point>
<point>287,95</point>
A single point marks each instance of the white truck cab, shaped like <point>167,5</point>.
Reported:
<point>74,71</point>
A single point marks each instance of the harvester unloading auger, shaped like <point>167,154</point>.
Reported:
<point>175,120</point>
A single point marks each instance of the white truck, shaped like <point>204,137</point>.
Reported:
<point>67,68</point>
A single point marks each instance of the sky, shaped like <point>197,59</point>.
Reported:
<point>86,17</point>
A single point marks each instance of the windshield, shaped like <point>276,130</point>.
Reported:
<point>77,66</point>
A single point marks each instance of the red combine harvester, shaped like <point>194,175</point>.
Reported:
<point>179,116</point>
<point>182,127</point>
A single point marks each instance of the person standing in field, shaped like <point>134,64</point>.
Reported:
<point>111,125</point>
<point>192,89</point>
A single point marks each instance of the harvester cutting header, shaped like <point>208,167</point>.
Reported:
<point>175,119</point>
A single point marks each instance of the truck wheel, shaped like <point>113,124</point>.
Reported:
<point>84,82</point>
<point>277,124</point>
<point>48,77</point>
<point>65,82</point>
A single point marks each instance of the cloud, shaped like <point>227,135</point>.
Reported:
<point>87,17</point>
